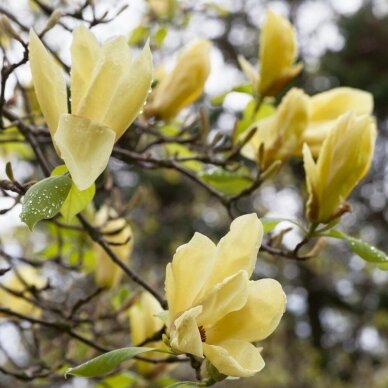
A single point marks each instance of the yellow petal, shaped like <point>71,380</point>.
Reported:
<point>26,275</point>
<point>237,250</point>
<point>49,82</point>
<point>131,93</point>
<point>235,358</point>
<point>185,83</point>
<point>343,161</point>
<point>188,272</point>
<point>249,71</point>
<point>331,104</point>
<point>326,107</point>
<point>278,50</point>
<point>185,336</point>
<point>85,53</point>
<point>105,80</point>
<point>142,319</point>
<point>85,147</point>
<point>281,134</point>
<point>224,298</point>
<point>118,233</point>
<point>257,319</point>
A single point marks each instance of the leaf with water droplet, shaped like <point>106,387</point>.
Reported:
<point>363,249</point>
<point>44,199</point>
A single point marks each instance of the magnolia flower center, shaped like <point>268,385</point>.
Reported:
<point>202,332</point>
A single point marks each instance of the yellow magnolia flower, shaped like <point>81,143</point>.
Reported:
<point>344,159</point>
<point>118,234</point>
<point>26,276</point>
<point>326,107</point>
<point>280,134</point>
<point>184,84</point>
<point>215,311</point>
<point>142,318</point>
<point>278,52</point>
<point>108,89</point>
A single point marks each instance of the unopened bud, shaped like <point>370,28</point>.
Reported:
<point>6,28</point>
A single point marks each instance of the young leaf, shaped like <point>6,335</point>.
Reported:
<point>44,199</point>
<point>106,362</point>
<point>270,223</point>
<point>77,201</point>
<point>228,182</point>
<point>362,249</point>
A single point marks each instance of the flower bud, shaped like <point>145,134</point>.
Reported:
<point>184,84</point>
<point>118,234</point>
<point>344,159</point>
<point>278,51</point>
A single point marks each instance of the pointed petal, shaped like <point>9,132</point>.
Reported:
<point>188,272</point>
<point>49,82</point>
<point>249,72</point>
<point>235,358</point>
<point>257,319</point>
<point>85,147</point>
<point>85,52</point>
<point>311,171</point>
<point>331,104</point>
<point>237,250</point>
<point>340,166</point>
<point>224,298</point>
<point>131,93</point>
<point>185,336</point>
<point>105,80</point>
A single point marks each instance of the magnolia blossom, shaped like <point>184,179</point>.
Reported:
<point>344,159</point>
<point>326,107</point>
<point>108,89</point>
<point>19,282</point>
<point>184,84</point>
<point>278,52</point>
<point>281,133</point>
<point>118,234</point>
<point>215,311</point>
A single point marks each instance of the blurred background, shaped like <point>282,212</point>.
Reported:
<point>335,330</point>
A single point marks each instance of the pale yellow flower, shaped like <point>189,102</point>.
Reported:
<point>108,89</point>
<point>26,276</point>
<point>344,159</point>
<point>117,232</point>
<point>277,55</point>
<point>143,320</point>
<point>215,311</point>
<point>278,52</point>
<point>184,84</point>
<point>280,134</point>
<point>326,107</point>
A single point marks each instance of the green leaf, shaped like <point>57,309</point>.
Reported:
<point>270,223</point>
<point>180,151</point>
<point>160,36</point>
<point>250,116</point>
<point>44,199</point>
<point>245,88</point>
<point>228,182</point>
<point>77,201</point>
<point>106,362</point>
<point>139,35</point>
<point>183,384</point>
<point>122,380</point>
<point>362,249</point>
